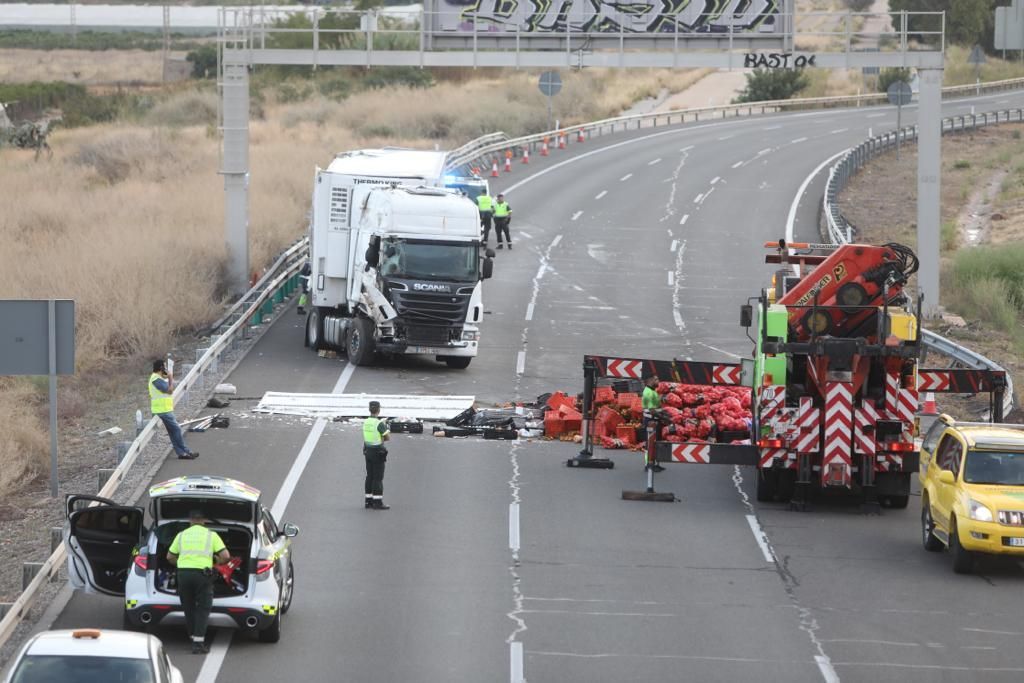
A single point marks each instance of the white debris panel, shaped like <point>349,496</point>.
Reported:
<point>357,405</point>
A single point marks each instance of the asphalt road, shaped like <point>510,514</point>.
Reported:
<point>640,245</point>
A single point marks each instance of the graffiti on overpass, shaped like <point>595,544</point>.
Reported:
<point>613,16</point>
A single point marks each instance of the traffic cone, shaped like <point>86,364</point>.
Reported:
<point>579,136</point>
<point>929,407</point>
<point>544,147</point>
<point>508,164</point>
<point>561,141</point>
<point>526,155</point>
<point>494,170</point>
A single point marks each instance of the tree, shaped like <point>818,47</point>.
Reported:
<point>204,61</point>
<point>858,5</point>
<point>772,84</point>
<point>889,76</point>
<point>968,22</point>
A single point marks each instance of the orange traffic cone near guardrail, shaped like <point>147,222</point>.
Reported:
<point>544,147</point>
<point>494,169</point>
<point>561,141</point>
<point>508,164</point>
<point>526,155</point>
<point>579,136</point>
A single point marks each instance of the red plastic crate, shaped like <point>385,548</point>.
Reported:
<point>627,433</point>
<point>604,395</point>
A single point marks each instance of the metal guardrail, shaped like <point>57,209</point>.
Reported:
<point>279,282</point>
<point>491,152</point>
<point>839,230</point>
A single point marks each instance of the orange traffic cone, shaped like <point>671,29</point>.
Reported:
<point>494,170</point>
<point>929,407</point>
<point>526,155</point>
<point>508,164</point>
<point>579,136</point>
<point>544,147</point>
<point>561,141</point>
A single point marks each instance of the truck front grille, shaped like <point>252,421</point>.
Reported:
<point>428,335</point>
<point>430,308</point>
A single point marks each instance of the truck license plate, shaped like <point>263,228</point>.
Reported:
<point>424,349</point>
<point>1017,542</point>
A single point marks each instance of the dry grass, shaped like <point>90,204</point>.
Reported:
<point>24,445</point>
<point>82,66</point>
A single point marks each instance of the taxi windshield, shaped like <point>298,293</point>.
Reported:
<point>994,467</point>
<point>78,669</point>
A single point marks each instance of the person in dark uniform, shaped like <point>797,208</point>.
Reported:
<point>375,433</point>
<point>194,551</point>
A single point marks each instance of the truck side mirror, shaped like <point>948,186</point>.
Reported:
<point>488,269</point>
<point>746,315</point>
<point>372,255</point>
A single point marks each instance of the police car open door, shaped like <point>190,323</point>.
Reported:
<point>101,542</point>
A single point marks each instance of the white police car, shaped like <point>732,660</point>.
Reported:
<point>111,551</point>
<point>86,654</point>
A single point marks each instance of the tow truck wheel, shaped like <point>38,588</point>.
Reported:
<point>458,362</point>
<point>963,560</point>
<point>360,342</point>
<point>897,502</point>
<point>931,543</point>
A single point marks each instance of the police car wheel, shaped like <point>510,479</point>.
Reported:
<point>272,633</point>
<point>289,589</point>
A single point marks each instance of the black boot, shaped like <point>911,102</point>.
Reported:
<point>369,503</point>
<point>379,504</point>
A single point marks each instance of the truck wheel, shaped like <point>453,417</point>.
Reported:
<point>963,560</point>
<point>315,330</point>
<point>766,485</point>
<point>897,502</point>
<point>360,342</point>
<point>931,543</point>
<point>458,362</point>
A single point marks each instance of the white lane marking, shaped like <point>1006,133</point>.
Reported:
<point>726,137</point>
<point>601,194</point>
<point>698,198</point>
<point>791,218</point>
<point>577,215</point>
<point>1002,101</point>
<point>529,311</point>
<point>706,195</point>
<point>513,527</point>
<point>215,659</point>
<point>838,130</point>
<point>738,164</point>
<point>219,650</point>
<point>554,242</point>
<point>715,179</point>
<point>875,116</point>
<point>678,319</point>
<point>998,633</point>
<point>762,540</point>
<point>525,234</point>
<point>541,269</point>
<point>825,667</point>
<point>515,658</point>
<point>626,177</point>
<point>686,149</point>
<point>675,245</point>
<point>656,161</point>
<point>771,127</point>
<point>686,217</point>
<point>793,142</point>
<point>671,277</point>
<point>520,362</point>
<point>764,151</point>
<point>722,351</point>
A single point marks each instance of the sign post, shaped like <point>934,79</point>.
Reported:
<point>38,338</point>
<point>550,84</point>
<point>977,58</point>
<point>899,93</point>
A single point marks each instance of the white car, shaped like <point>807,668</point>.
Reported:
<point>112,552</point>
<point>87,655</point>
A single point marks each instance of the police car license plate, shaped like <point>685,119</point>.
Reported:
<point>1016,542</point>
<point>424,349</point>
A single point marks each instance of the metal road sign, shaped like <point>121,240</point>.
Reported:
<point>1009,29</point>
<point>25,334</point>
<point>899,93</point>
<point>977,55</point>
<point>550,83</point>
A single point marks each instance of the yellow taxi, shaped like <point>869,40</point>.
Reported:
<point>972,490</point>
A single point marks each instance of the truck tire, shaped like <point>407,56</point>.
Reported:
<point>359,344</point>
<point>931,543</point>
<point>315,330</point>
<point>766,485</point>
<point>896,502</point>
<point>963,560</point>
<point>458,362</point>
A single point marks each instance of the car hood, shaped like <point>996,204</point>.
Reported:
<point>998,496</point>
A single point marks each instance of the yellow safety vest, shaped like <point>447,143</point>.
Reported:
<point>483,202</point>
<point>371,437</point>
<point>159,402</point>
<point>501,209</point>
<point>195,547</point>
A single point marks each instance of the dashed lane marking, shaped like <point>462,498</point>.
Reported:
<point>738,164</point>
<point>686,217</point>
<point>838,130</point>
<point>715,179</point>
<point>675,245</point>
<point>601,194</point>
<point>520,362</point>
<point>577,215</point>
<point>797,140</point>
<point>529,311</point>
<point>655,161</point>
<point>626,177</point>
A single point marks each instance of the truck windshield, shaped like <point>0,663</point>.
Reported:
<point>450,261</point>
<point>994,467</point>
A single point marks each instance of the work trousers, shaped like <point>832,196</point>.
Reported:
<point>195,588</point>
<point>500,226</point>
<point>174,431</point>
<point>485,223</point>
<point>375,456</point>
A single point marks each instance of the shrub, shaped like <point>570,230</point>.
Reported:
<point>961,164</point>
<point>204,61</point>
<point>772,84</point>
<point>191,108</point>
<point>889,76</point>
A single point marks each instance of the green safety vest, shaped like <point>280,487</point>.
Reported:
<point>195,547</point>
<point>501,209</point>
<point>371,437</point>
<point>651,398</point>
<point>483,202</point>
<point>159,402</point>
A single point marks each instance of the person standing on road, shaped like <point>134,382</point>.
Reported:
<point>651,402</point>
<point>486,206</point>
<point>502,217</point>
<point>307,268</point>
<point>161,404</point>
<point>375,433</point>
<point>194,551</point>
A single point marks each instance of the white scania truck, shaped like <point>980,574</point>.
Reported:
<point>397,265</point>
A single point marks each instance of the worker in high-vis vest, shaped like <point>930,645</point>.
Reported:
<point>502,217</point>
<point>375,433</point>
<point>194,551</point>
<point>651,402</point>
<point>161,403</point>
<point>486,206</point>
<point>307,268</point>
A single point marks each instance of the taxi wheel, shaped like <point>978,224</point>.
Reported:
<point>963,560</point>
<point>931,543</point>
